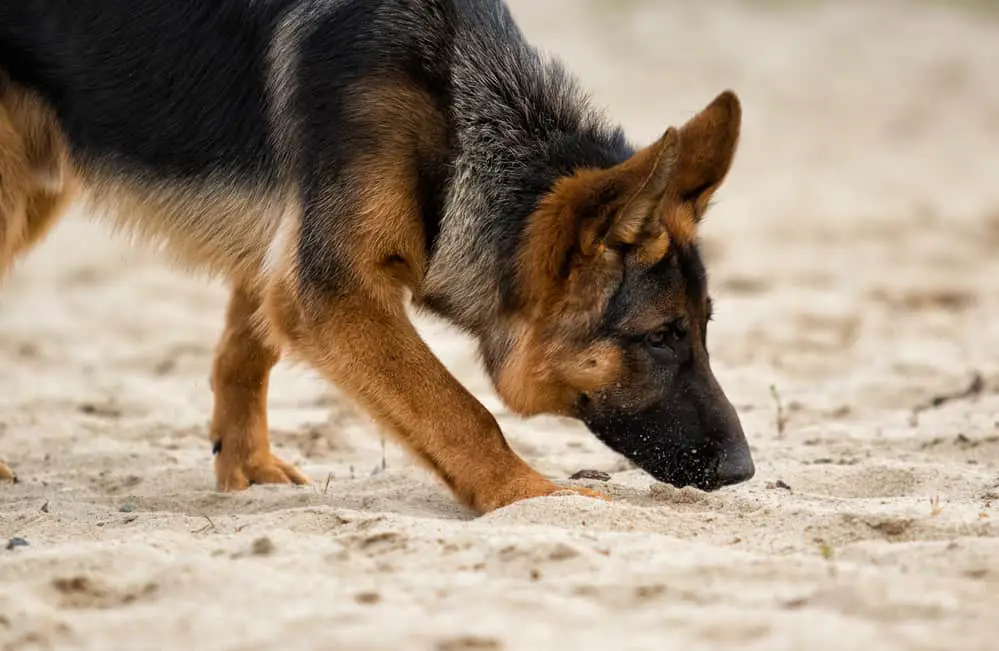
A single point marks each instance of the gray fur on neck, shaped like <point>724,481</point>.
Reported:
<point>514,112</point>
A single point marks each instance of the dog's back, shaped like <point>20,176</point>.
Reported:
<point>176,87</point>
<point>198,124</point>
<point>163,109</point>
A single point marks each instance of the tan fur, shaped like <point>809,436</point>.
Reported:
<point>707,144</point>
<point>406,125</point>
<point>540,379</point>
<point>707,147</point>
<point>680,221</point>
<point>216,226</point>
<point>390,231</point>
<point>366,345</point>
<point>35,179</point>
<point>35,176</point>
<point>240,372</point>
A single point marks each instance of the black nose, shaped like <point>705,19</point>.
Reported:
<point>735,468</point>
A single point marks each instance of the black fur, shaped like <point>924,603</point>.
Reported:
<point>177,87</point>
<point>352,42</point>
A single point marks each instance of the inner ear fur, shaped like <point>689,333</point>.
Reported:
<point>595,213</point>
<point>618,205</point>
<point>644,179</point>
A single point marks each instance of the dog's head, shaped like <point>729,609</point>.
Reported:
<point>613,308</point>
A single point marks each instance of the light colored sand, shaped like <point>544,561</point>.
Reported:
<point>855,263</point>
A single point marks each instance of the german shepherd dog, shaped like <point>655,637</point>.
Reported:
<point>333,159</point>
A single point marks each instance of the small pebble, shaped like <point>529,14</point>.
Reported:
<point>16,542</point>
<point>368,598</point>
<point>263,546</point>
<point>597,475</point>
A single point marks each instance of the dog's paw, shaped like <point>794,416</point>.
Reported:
<point>526,488</point>
<point>585,492</point>
<point>6,474</point>
<point>233,473</point>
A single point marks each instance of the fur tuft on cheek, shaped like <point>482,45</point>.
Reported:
<point>522,379</point>
<point>592,369</point>
<point>546,374</point>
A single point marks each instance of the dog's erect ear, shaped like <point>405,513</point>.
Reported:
<point>686,165</point>
<point>624,215</point>
<point>707,146</point>
<point>602,213</point>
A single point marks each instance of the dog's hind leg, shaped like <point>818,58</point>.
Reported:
<point>244,358</point>
<point>35,178</point>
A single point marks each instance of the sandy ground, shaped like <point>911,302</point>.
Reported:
<point>855,269</point>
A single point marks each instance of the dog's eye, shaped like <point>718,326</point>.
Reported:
<point>673,332</point>
<point>656,339</point>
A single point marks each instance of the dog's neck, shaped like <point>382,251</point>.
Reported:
<point>520,123</point>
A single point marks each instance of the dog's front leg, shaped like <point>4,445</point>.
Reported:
<point>367,346</point>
